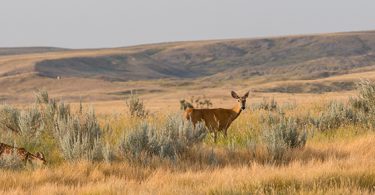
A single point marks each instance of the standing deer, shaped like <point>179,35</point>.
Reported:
<point>22,155</point>
<point>217,119</point>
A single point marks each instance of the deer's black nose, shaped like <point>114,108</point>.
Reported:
<point>243,108</point>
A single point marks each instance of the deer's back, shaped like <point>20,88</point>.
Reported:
<point>215,118</point>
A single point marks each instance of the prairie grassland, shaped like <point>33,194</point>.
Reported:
<point>345,166</point>
<point>340,160</point>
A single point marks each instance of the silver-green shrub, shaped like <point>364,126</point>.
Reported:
<point>30,128</point>
<point>41,97</point>
<point>108,153</point>
<point>135,106</point>
<point>200,102</point>
<point>364,103</point>
<point>30,122</point>
<point>50,125</point>
<point>169,140</point>
<point>365,100</point>
<point>281,134</point>
<point>359,111</point>
<point>79,136</point>
<point>9,119</point>
<point>11,162</point>
<point>23,127</point>
<point>335,115</point>
<point>265,105</point>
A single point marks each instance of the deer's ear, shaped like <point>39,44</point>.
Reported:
<point>234,95</point>
<point>40,155</point>
<point>246,94</point>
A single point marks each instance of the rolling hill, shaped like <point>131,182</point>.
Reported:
<point>291,64</point>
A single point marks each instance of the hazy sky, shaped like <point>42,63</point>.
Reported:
<point>114,23</point>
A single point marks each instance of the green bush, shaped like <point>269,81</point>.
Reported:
<point>49,125</point>
<point>79,136</point>
<point>23,127</point>
<point>30,122</point>
<point>265,105</point>
<point>365,100</point>
<point>108,153</point>
<point>9,119</point>
<point>185,104</point>
<point>335,115</point>
<point>170,140</point>
<point>200,102</point>
<point>11,162</point>
<point>359,111</point>
<point>136,107</point>
<point>281,134</point>
<point>41,97</point>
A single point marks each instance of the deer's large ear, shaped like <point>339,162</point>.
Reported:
<point>40,155</point>
<point>246,94</point>
<point>234,95</point>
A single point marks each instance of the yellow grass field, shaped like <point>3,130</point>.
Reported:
<point>341,161</point>
<point>338,167</point>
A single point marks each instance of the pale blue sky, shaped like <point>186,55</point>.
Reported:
<point>115,23</point>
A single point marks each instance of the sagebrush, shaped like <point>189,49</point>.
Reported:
<point>169,140</point>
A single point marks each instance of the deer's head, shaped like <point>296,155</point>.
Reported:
<point>241,100</point>
<point>38,159</point>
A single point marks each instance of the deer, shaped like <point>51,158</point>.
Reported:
<point>217,119</point>
<point>22,155</point>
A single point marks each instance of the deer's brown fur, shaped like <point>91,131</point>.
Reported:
<point>22,154</point>
<point>217,119</point>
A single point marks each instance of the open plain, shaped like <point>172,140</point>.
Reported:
<point>308,126</point>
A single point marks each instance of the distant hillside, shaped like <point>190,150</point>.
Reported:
<point>291,64</point>
<point>295,57</point>
<point>27,50</point>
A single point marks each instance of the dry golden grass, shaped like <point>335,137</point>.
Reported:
<point>334,168</point>
<point>159,103</point>
<point>338,162</point>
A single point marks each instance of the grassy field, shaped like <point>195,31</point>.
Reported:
<point>338,157</point>
<point>306,130</point>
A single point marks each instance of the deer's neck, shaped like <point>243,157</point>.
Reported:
<point>237,111</point>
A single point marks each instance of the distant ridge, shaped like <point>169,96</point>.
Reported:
<point>27,50</point>
<point>290,64</point>
<point>291,57</point>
